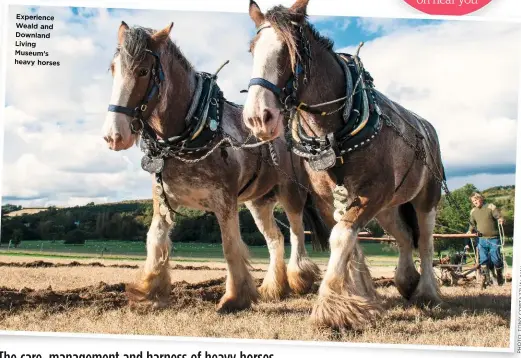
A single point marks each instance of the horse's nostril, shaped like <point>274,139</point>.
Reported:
<point>267,116</point>
<point>117,138</point>
<point>252,121</point>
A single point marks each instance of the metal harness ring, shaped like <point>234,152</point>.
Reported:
<point>138,121</point>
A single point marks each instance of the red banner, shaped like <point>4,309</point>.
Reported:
<point>448,7</point>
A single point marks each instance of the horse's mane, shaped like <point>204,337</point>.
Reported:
<point>137,40</point>
<point>281,19</point>
<point>133,49</point>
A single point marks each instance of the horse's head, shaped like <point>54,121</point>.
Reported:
<point>137,73</point>
<point>276,67</point>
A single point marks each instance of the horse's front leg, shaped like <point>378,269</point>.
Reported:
<point>154,285</point>
<point>347,298</point>
<point>240,287</point>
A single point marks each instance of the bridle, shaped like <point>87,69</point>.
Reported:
<point>287,95</point>
<point>157,76</point>
<point>359,104</point>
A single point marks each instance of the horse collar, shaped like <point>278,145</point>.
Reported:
<point>361,118</point>
<point>202,126</point>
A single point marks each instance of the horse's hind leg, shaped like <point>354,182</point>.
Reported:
<point>240,287</point>
<point>154,286</point>
<point>347,298</point>
<point>406,277</point>
<point>302,272</point>
<point>275,284</point>
<point>427,291</point>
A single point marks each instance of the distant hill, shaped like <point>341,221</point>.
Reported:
<point>130,220</point>
<point>125,220</point>
<point>27,211</point>
<point>500,193</point>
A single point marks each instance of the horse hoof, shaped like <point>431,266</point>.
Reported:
<point>232,304</point>
<point>302,277</point>
<point>407,286</point>
<point>272,292</point>
<point>426,300</point>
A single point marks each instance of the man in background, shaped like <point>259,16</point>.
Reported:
<point>484,219</point>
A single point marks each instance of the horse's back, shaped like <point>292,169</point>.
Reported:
<point>399,113</point>
<point>410,125</point>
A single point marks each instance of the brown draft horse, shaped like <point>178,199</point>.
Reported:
<point>367,155</point>
<point>181,118</point>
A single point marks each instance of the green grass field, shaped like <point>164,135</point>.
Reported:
<point>182,251</point>
<point>376,253</point>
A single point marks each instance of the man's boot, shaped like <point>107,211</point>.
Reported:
<point>499,276</point>
<point>485,276</point>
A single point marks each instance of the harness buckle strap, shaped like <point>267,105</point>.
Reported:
<point>153,88</point>
<point>266,84</point>
<point>120,109</point>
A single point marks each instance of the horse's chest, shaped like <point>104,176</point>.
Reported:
<point>196,189</point>
<point>189,196</point>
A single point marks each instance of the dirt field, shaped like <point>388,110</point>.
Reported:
<point>87,296</point>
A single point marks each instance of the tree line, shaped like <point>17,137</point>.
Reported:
<point>129,221</point>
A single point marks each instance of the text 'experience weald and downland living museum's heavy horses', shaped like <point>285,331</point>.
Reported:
<point>365,154</point>
<point>193,142</point>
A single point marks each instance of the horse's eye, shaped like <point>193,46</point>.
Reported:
<point>143,72</point>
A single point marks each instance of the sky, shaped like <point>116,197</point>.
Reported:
<point>461,76</point>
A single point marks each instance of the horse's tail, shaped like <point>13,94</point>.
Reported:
<point>314,223</point>
<point>408,215</point>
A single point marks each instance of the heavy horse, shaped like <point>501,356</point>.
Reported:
<point>191,136</point>
<point>366,155</point>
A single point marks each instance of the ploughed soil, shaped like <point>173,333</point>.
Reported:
<point>112,296</point>
<point>89,296</point>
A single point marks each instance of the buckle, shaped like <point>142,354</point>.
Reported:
<point>134,122</point>
<point>143,107</point>
<point>300,105</point>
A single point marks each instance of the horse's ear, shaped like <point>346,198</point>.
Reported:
<point>122,32</point>
<point>162,35</point>
<point>256,14</point>
<point>300,7</point>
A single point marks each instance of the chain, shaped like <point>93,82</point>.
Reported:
<point>237,145</point>
<point>226,139</point>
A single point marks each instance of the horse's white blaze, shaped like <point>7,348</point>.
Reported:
<point>118,123</point>
<point>265,57</point>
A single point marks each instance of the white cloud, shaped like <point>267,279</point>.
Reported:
<point>73,46</point>
<point>462,77</point>
<point>54,152</point>
<point>481,181</point>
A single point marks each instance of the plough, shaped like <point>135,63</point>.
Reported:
<point>450,273</point>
